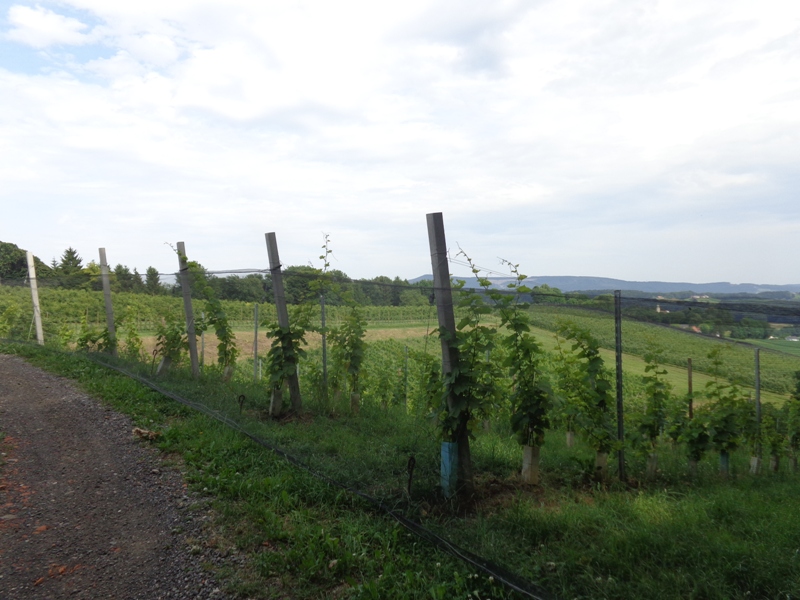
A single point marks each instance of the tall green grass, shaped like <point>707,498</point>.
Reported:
<point>676,536</point>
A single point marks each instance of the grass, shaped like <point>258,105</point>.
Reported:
<point>674,537</point>
<point>780,345</point>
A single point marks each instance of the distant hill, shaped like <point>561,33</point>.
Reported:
<point>568,283</point>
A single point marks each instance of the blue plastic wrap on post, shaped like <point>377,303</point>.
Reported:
<point>449,468</point>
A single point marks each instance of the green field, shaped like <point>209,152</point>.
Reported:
<point>673,537</point>
<point>785,346</point>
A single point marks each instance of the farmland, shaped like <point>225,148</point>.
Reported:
<point>570,533</point>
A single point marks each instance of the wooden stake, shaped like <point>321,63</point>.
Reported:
<point>37,311</point>
<point>186,287</point>
<point>283,312</point>
<point>112,332</point>
<point>447,326</point>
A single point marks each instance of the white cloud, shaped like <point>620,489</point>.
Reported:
<point>551,133</point>
<point>40,27</point>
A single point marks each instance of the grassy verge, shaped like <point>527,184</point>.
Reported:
<point>301,537</point>
<point>674,537</point>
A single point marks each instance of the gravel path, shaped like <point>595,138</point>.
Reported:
<point>86,510</point>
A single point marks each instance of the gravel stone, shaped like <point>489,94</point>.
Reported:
<point>86,509</point>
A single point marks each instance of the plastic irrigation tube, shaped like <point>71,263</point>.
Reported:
<point>500,574</point>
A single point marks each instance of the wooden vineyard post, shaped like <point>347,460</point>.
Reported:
<point>755,460</point>
<point>620,415</point>
<point>455,452</point>
<point>37,311</point>
<point>187,308</point>
<point>112,333</point>
<point>283,313</point>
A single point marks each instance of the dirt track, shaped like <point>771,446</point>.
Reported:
<point>86,511</point>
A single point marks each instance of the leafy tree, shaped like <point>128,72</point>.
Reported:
<point>297,284</point>
<point>413,297</point>
<point>123,279</point>
<point>152,282</point>
<point>70,263</point>
<point>70,270</point>
<point>14,263</point>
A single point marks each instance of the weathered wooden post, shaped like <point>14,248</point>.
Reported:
<point>620,413</point>
<point>187,308</point>
<point>456,471</point>
<point>37,311</point>
<point>112,332</point>
<point>283,314</point>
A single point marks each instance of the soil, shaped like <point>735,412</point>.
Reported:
<point>87,510</point>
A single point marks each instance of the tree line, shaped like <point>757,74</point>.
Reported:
<point>70,272</point>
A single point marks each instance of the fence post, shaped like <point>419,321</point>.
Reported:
<point>620,414</point>
<point>37,311</point>
<point>255,342</point>
<point>112,332</point>
<point>283,312</point>
<point>447,324</point>
<point>187,308</point>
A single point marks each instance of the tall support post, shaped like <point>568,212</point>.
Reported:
<point>186,287</point>
<point>255,342</point>
<point>620,413</point>
<point>283,312</point>
<point>104,275</point>
<point>691,391</point>
<point>37,311</point>
<point>447,327</point>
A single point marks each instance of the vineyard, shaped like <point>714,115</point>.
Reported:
<point>532,393</point>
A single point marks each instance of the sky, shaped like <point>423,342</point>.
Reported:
<point>647,140</point>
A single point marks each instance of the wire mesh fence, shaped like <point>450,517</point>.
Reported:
<point>701,343</point>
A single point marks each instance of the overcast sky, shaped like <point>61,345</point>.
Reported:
<point>639,140</point>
